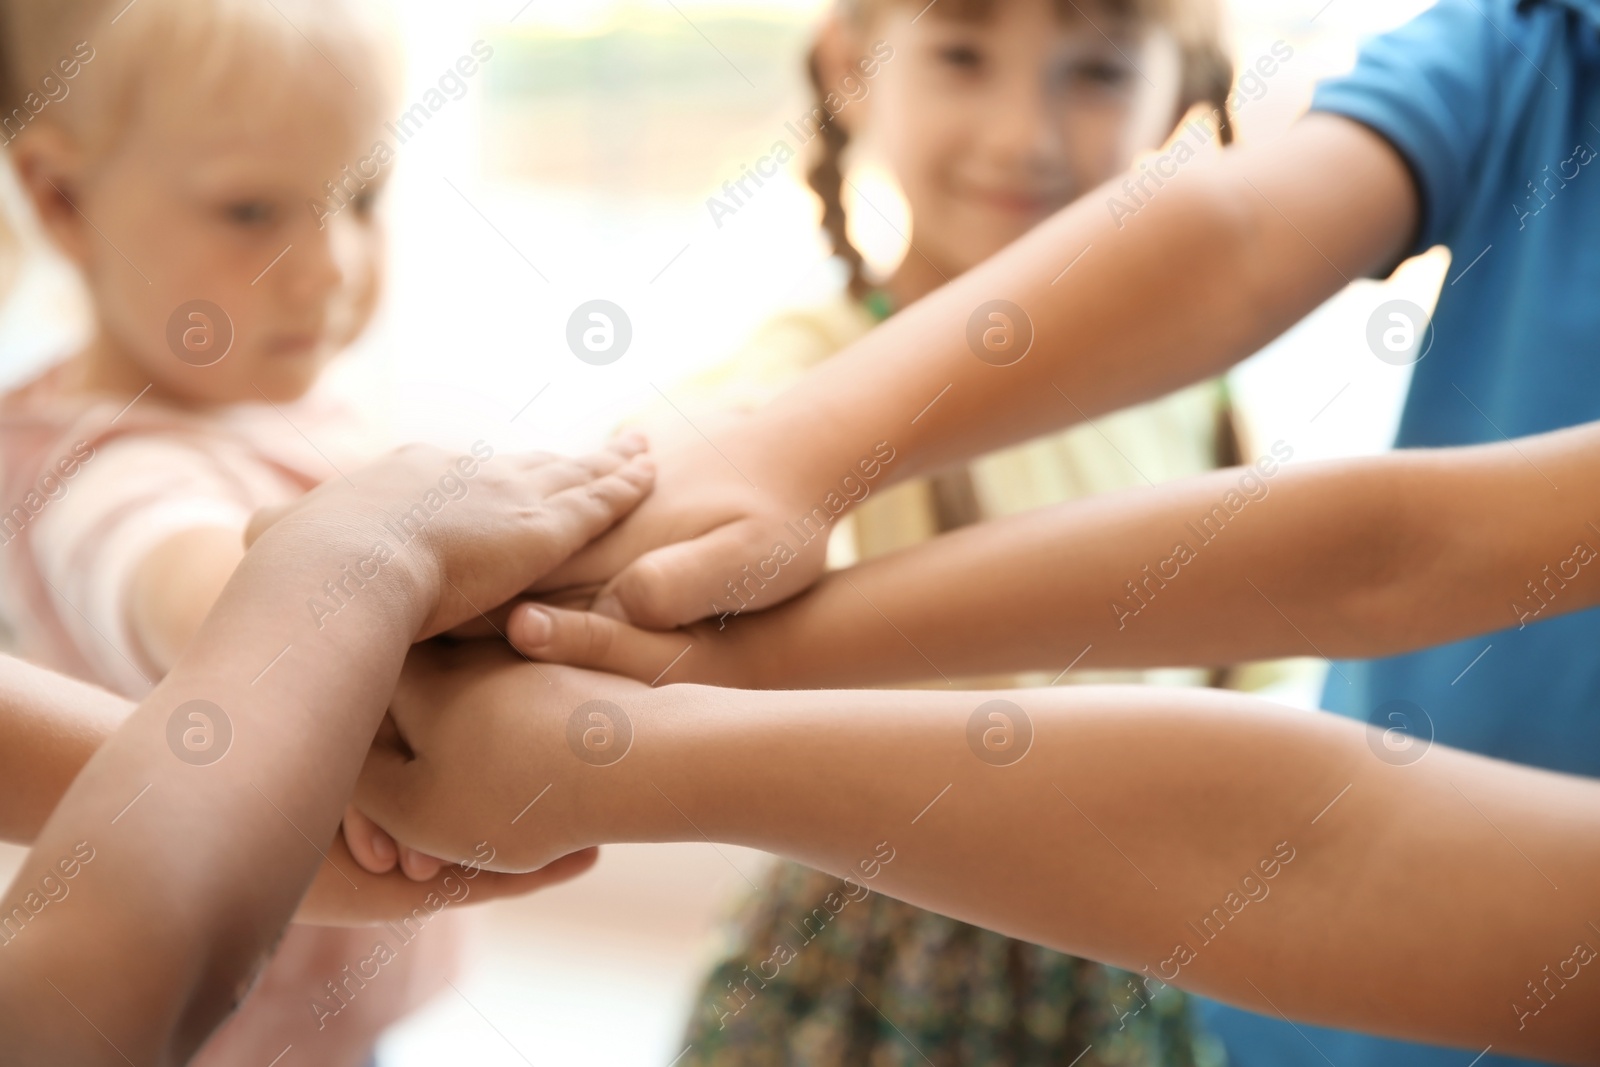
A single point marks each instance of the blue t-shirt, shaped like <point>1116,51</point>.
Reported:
<point>1495,107</point>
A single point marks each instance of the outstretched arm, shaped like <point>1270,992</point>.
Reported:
<point>1216,262</point>
<point>1359,558</point>
<point>51,725</point>
<point>238,763</point>
<point>1284,861</point>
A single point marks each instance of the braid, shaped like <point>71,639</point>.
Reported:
<point>826,178</point>
<point>1208,80</point>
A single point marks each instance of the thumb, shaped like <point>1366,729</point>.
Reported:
<point>584,639</point>
<point>720,572</point>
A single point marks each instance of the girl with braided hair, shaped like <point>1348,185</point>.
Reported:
<point>991,115</point>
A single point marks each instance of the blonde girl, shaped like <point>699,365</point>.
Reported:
<point>171,151</point>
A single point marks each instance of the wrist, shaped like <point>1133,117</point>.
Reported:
<point>670,785</point>
<point>835,448</point>
<point>330,561</point>
<point>796,773</point>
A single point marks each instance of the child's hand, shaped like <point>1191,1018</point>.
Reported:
<point>723,504</point>
<point>470,532</point>
<point>379,853</point>
<point>481,757</point>
<point>702,653</point>
<point>345,895</point>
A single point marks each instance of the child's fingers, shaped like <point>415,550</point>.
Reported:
<point>419,866</point>
<point>338,899</point>
<point>584,639</point>
<point>575,516</point>
<point>629,443</point>
<point>548,474</point>
<point>673,585</point>
<point>374,849</point>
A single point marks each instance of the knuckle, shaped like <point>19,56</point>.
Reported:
<point>597,638</point>
<point>646,592</point>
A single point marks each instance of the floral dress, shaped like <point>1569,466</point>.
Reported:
<point>885,984</point>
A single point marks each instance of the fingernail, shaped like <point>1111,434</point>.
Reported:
<point>534,626</point>
<point>382,847</point>
<point>608,605</point>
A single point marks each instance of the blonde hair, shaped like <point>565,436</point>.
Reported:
<point>135,49</point>
<point>1207,79</point>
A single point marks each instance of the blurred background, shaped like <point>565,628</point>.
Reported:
<point>578,167</point>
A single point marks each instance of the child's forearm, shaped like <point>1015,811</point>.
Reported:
<point>180,841</point>
<point>1245,246</point>
<point>1353,558</point>
<point>1265,857</point>
<point>49,727</point>
<point>1215,264</point>
<point>1280,860</point>
<point>208,811</point>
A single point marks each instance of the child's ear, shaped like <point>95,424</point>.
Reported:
<point>49,168</point>
<point>839,53</point>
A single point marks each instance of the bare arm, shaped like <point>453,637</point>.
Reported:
<point>174,586</point>
<point>1270,858</point>
<point>1351,558</point>
<point>49,727</point>
<point>1218,262</point>
<point>179,840</point>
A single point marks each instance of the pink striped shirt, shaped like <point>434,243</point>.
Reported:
<point>89,485</point>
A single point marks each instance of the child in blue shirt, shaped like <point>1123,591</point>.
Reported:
<point>1495,109</point>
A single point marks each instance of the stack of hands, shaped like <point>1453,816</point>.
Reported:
<point>587,550</point>
<point>431,711</point>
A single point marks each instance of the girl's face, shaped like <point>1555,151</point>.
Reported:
<point>992,126</point>
<point>209,228</point>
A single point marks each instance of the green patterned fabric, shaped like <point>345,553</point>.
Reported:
<point>822,980</point>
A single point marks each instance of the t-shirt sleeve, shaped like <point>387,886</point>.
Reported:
<point>1431,89</point>
<point>133,496</point>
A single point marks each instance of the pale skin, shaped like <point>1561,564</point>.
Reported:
<point>203,927</point>
<point>200,190</point>
<point>202,204</point>
<point>1134,814</point>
